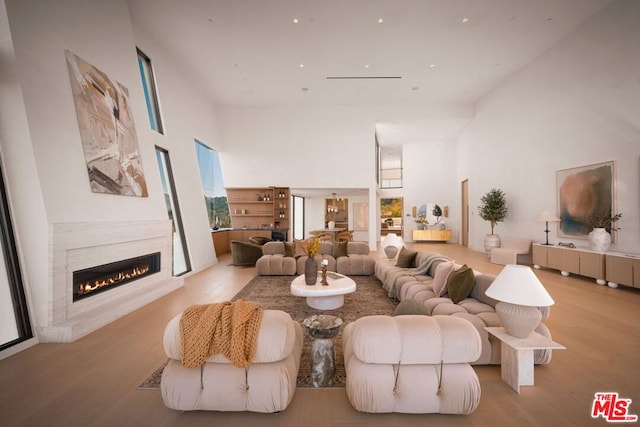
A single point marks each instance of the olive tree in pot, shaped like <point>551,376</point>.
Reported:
<point>493,208</point>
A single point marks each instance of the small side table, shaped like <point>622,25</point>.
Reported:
<point>322,328</point>
<point>517,355</point>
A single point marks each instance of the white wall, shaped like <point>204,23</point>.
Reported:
<point>327,147</point>
<point>187,116</point>
<point>429,171</point>
<point>577,104</point>
<point>41,146</point>
<point>99,32</point>
<point>305,147</point>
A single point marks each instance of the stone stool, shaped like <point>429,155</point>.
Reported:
<point>322,328</point>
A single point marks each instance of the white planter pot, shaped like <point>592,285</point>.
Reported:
<point>491,241</point>
<point>599,240</point>
<point>332,225</point>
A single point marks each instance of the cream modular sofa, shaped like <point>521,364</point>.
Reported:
<point>477,308</point>
<point>267,385</point>
<point>275,262</point>
<point>411,364</point>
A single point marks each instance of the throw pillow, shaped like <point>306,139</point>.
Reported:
<point>410,306</point>
<point>289,249</point>
<point>441,278</point>
<point>339,249</point>
<point>406,258</point>
<point>460,284</point>
<point>301,246</point>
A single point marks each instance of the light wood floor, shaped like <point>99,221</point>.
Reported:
<point>93,381</point>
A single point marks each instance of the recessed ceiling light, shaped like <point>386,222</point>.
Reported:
<point>380,20</point>
<point>301,65</point>
<point>295,20</point>
<point>465,20</point>
<point>432,66</point>
<point>366,66</point>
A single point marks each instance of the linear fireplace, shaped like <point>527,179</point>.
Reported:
<point>78,247</point>
<point>90,281</point>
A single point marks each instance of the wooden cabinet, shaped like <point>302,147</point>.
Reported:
<point>623,270</point>
<point>244,235</point>
<point>539,255</point>
<point>592,264</point>
<point>615,268</point>
<point>431,235</point>
<point>259,207</point>
<point>220,241</point>
<point>571,260</point>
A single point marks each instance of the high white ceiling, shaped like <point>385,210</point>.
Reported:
<point>446,52</point>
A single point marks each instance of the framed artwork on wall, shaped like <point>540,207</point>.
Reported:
<point>584,192</point>
<point>107,130</point>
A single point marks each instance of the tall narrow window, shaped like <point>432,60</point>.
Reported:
<point>390,166</point>
<point>150,94</point>
<point>14,317</point>
<point>181,263</point>
<point>298,217</point>
<point>215,196</point>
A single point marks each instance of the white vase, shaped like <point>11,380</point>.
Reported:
<point>491,241</point>
<point>599,240</point>
<point>332,225</point>
<point>390,251</point>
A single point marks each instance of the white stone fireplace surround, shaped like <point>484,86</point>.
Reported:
<point>75,246</point>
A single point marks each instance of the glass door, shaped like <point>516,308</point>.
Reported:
<point>15,326</point>
<point>181,263</point>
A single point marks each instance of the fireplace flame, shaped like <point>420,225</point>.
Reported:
<point>116,278</point>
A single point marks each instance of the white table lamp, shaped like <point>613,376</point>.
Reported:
<point>391,244</point>
<point>520,293</point>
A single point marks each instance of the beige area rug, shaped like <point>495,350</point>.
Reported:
<point>273,293</point>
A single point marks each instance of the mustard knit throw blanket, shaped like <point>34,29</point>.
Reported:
<point>228,328</point>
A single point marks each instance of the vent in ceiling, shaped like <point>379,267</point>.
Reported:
<point>361,77</point>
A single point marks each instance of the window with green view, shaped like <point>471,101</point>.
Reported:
<point>215,196</point>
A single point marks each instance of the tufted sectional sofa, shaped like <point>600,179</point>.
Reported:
<point>477,308</point>
<point>356,262</point>
<point>411,364</point>
<point>267,385</point>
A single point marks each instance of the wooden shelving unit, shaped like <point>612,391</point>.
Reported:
<point>259,207</point>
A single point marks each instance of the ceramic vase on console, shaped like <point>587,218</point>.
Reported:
<point>332,225</point>
<point>310,271</point>
<point>599,240</point>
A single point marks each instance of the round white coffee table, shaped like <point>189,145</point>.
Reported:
<point>322,297</point>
